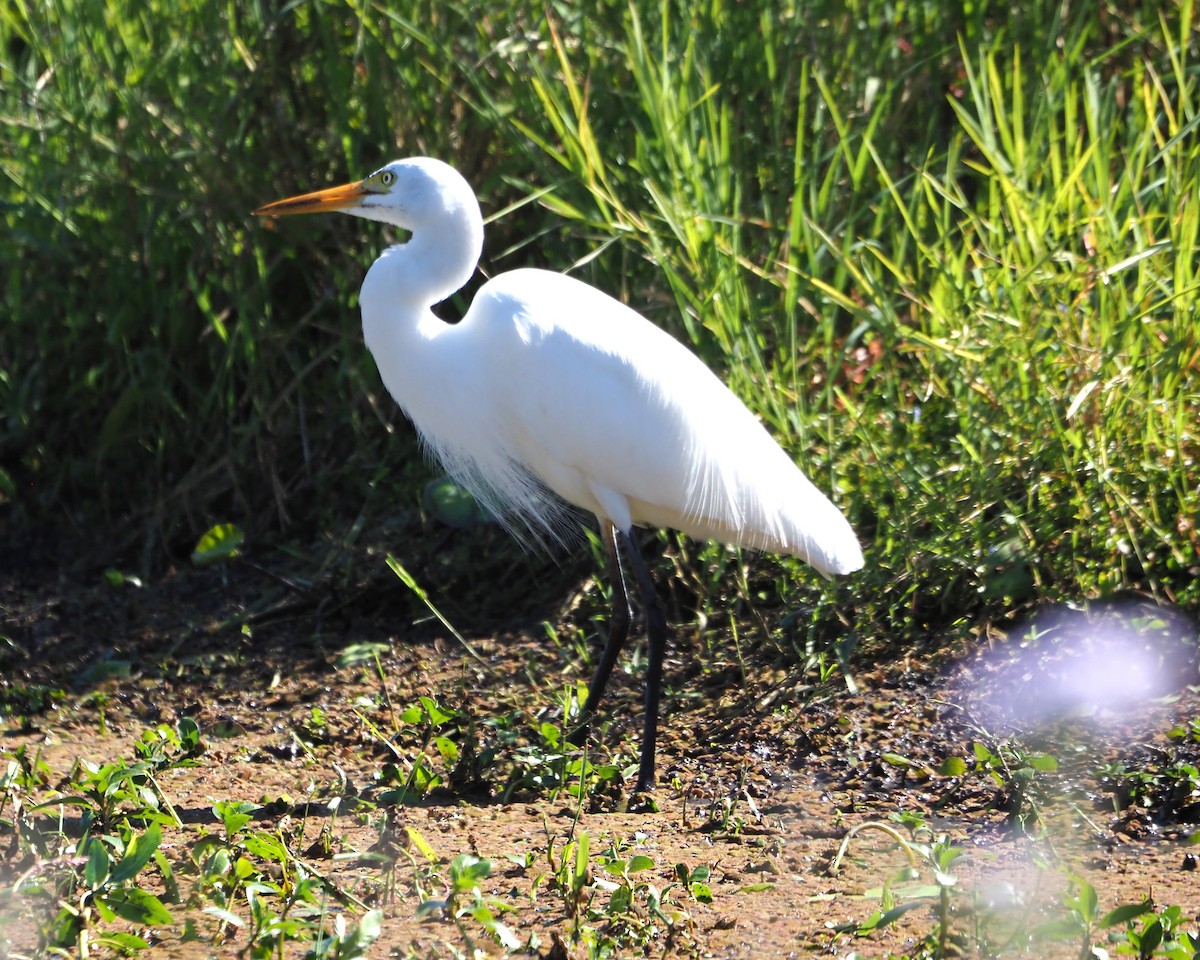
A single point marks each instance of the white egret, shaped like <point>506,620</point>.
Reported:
<point>550,394</point>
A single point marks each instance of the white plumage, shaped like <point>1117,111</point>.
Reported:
<point>549,385</point>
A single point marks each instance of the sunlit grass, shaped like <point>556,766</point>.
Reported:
<point>950,261</point>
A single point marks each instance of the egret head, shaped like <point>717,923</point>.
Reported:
<point>407,193</point>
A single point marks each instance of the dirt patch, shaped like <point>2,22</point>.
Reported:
<point>302,714</point>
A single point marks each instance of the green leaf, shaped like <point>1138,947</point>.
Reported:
<point>107,914</point>
<point>953,767</point>
<point>265,845</point>
<point>234,814</point>
<point>422,845</point>
<point>582,853</point>
<point>867,925</point>
<point>115,578</point>
<point>620,901</point>
<point>437,716</point>
<point>496,928</point>
<point>1125,913</point>
<point>356,654</point>
<point>170,886</point>
<point>96,871</point>
<point>551,734</point>
<point>450,504</point>
<point>1086,900</point>
<point>505,936</point>
<point>371,925</point>
<point>908,891</point>
<point>225,916</point>
<point>137,855</point>
<point>427,907</point>
<point>946,856</point>
<point>411,715</point>
<point>188,731</point>
<point>891,916</point>
<point>354,946</point>
<point>1063,928</point>
<point>468,869</point>
<point>446,747</point>
<point>1152,936</point>
<point>137,906</point>
<point>125,943</point>
<point>219,543</point>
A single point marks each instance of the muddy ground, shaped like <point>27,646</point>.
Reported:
<point>764,768</point>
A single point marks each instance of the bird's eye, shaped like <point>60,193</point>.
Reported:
<point>387,178</point>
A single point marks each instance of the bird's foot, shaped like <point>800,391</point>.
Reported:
<point>645,776</point>
<point>642,800</point>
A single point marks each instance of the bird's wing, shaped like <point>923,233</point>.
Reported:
<point>617,417</point>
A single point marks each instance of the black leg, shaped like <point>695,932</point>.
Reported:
<point>618,632</point>
<point>656,634</point>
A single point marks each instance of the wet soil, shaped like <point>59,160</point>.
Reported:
<point>764,769</point>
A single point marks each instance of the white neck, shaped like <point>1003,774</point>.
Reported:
<point>403,284</point>
<point>437,261</point>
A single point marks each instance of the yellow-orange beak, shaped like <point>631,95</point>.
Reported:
<point>329,200</point>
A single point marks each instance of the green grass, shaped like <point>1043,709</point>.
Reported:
<point>948,257</point>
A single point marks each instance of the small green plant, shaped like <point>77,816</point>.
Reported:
<point>727,814</point>
<point>254,883</point>
<point>219,544</point>
<point>463,899</point>
<point>937,855</point>
<point>571,641</point>
<point>167,748</point>
<point>108,793</point>
<point>1158,933</point>
<point>638,912</point>
<point>422,725</point>
<point>695,881</point>
<point>23,776</point>
<point>1018,774</point>
<point>1165,789</point>
<point>315,727</point>
<point>1186,732</point>
<point>105,890</point>
<point>635,914</point>
<point>571,875</point>
<point>347,943</point>
<point>546,763</point>
<point>25,701</point>
<point>1134,929</point>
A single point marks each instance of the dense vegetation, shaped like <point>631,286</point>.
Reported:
<point>948,253</point>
